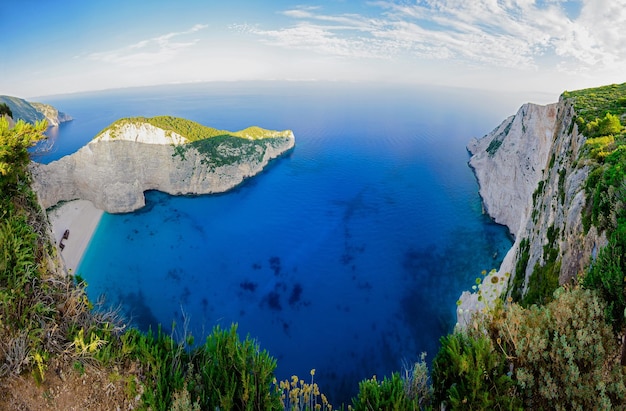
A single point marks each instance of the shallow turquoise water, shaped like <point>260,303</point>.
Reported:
<point>347,255</point>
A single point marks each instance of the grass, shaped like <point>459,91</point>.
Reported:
<point>193,131</point>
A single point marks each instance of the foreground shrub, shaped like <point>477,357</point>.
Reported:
<point>230,374</point>
<point>224,373</point>
<point>388,394</point>
<point>468,373</point>
<point>564,353</point>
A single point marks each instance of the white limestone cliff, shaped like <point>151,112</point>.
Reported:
<point>530,181</point>
<point>51,114</point>
<point>114,171</point>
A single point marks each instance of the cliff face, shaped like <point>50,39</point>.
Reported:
<point>114,171</point>
<point>530,181</point>
<point>54,116</point>
<point>32,112</point>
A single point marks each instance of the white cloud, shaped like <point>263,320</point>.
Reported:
<point>156,50</point>
<point>519,34</point>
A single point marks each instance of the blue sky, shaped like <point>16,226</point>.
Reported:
<point>64,46</point>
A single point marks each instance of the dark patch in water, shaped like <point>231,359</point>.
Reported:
<point>275,265</point>
<point>419,263</point>
<point>174,274</point>
<point>272,299</point>
<point>256,266</point>
<point>346,258</point>
<point>140,314</point>
<point>248,286</point>
<point>364,286</point>
<point>184,298</point>
<point>286,328</point>
<point>296,293</point>
<point>350,250</point>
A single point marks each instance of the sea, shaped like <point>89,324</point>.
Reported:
<point>346,255</point>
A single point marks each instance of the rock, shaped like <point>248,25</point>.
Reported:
<point>530,181</point>
<point>54,116</point>
<point>114,170</point>
<point>32,112</point>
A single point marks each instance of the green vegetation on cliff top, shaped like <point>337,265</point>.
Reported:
<point>595,102</point>
<point>193,131</point>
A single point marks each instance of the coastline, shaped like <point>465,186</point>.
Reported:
<point>81,218</point>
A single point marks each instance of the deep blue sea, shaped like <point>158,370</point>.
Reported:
<point>347,255</point>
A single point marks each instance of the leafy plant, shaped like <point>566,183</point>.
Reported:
<point>562,354</point>
<point>388,394</point>
<point>468,373</point>
<point>230,374</point>
<point>14,157</point>
<point>607,275</point>
<point>5,110</point>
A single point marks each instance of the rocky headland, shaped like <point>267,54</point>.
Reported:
<point>531,180</point>
<point>32,112</point>
<point>171,155</point>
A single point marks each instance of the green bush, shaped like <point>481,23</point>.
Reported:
<point>14,157</point>
<point>493,147</point>
<point>224,373</point>
<point>607,125</point>
<point>388,394</point>
<point>5,110</point>
<point>468,373</point>
<point>410,392</point>
<point>563,353</point>
<point>607,275</point>
<point>230,374</point>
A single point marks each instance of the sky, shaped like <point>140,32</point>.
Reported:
<point>64,46</point>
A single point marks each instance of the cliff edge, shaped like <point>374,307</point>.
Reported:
<point>174,156</point>
<point>531,181</point>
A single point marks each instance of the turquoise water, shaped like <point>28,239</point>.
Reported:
<point>346,255</point>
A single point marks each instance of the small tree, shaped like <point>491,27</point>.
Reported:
<point>608,125</point>
<point>14,144</point>
<point>469,373</point>
<point>4,109</point>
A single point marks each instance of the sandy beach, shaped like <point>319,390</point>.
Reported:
<point>81,218</point>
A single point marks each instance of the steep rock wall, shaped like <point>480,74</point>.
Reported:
<point>32,112</point>
<point>113,172</point>
<point>54,116</point>
<point>530,180</point>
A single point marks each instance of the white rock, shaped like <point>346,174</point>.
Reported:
<point>114,171</point>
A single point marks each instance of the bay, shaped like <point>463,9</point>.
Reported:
<point>346,255</point>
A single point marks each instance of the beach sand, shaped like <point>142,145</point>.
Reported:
<point>81,218</point>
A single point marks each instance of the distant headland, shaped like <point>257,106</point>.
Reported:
<point>168,154</point>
